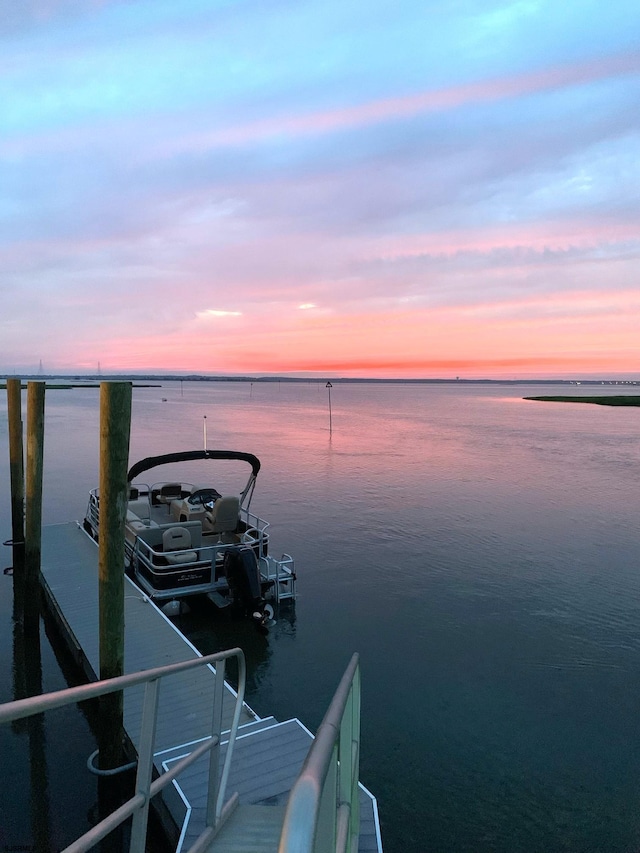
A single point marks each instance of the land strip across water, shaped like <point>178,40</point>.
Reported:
<point>614,400</point>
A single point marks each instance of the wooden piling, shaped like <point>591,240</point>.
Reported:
<point>35,459</point>
<point>16,469</point>
<point>33,522</point>
<point>115,426</point>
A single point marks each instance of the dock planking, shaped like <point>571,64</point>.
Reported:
<point>70,572</point>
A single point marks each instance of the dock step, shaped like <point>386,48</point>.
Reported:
<point>266,762</point>
<point>250,829</point>
<point>166,756</point>
<point>268,756</point>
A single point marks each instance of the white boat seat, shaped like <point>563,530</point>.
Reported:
<point>140,507</point>
<point>178,539</point>
<point>224,517</point>
<point>136,522</point>
<point>134,525</point>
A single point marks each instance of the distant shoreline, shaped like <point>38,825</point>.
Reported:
<point>140,379</point>
<point>613,400</point>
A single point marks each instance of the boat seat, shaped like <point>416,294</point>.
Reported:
<point>136,525</point>
<point>140,507</point>
<point>169,492</point>
<point>136,522</point>
<point>152,536</point>
<point>178,539</point>
<point>223,519</point>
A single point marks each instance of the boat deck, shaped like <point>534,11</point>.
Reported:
<point>268,755</point>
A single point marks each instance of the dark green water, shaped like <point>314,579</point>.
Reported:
<point>480,552</point>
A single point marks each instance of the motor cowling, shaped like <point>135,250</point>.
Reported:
<point>241,570</point>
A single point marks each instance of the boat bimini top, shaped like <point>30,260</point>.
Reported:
<point>194,455</point>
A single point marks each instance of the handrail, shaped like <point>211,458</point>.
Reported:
<point>323,809</point>
<point>138,805</point>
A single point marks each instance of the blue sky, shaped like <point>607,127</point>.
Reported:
<point>406,189</point>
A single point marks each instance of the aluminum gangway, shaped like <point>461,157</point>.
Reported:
<point>322,811</point>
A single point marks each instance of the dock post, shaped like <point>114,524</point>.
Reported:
<point>33,522</point>
<point>16,469</point>
<point>115,427</point>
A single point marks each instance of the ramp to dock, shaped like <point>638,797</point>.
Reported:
<point>268,755</point>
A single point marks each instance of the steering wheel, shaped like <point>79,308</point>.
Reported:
<point>204,497</point>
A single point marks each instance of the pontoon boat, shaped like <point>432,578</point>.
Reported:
<point>184,539</point>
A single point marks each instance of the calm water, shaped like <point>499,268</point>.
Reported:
<point>479,551</point>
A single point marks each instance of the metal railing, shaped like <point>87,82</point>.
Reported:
<point>282,573</point>
<point>323,811</point>
<point>138,806</point>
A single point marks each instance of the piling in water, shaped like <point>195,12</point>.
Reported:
<point>115,427</point>
<point>16,469</point>
<point>33,522</point>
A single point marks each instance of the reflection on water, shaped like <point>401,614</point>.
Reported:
<point>480,555</point>
<point>212,631</point>
<point>27,681</point>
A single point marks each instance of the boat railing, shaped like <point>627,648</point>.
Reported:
<point>155,558</point>
<point>323,809</point>
<point>92,515</point>
<point>256,527</point>
<point>283,574</point>
<point>218,807</point>
<point>154,555</point>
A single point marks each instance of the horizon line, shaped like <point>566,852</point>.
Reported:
<point>204,377</point>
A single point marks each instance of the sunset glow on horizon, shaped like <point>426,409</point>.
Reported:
<point>409,190</point>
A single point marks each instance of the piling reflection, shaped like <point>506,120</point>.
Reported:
<point>27,681</point>
<point>103,794</point>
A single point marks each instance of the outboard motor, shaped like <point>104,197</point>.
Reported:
<point>245,587</point>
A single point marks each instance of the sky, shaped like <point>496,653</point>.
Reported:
<point>375,188</point>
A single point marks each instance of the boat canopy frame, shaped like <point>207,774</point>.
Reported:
<point>195,455</point>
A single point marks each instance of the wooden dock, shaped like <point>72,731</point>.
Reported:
<point>268,754</point>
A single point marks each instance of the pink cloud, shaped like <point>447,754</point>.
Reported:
<point>385,109</point>
<point>579,333</point>
<point>539,236</point>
